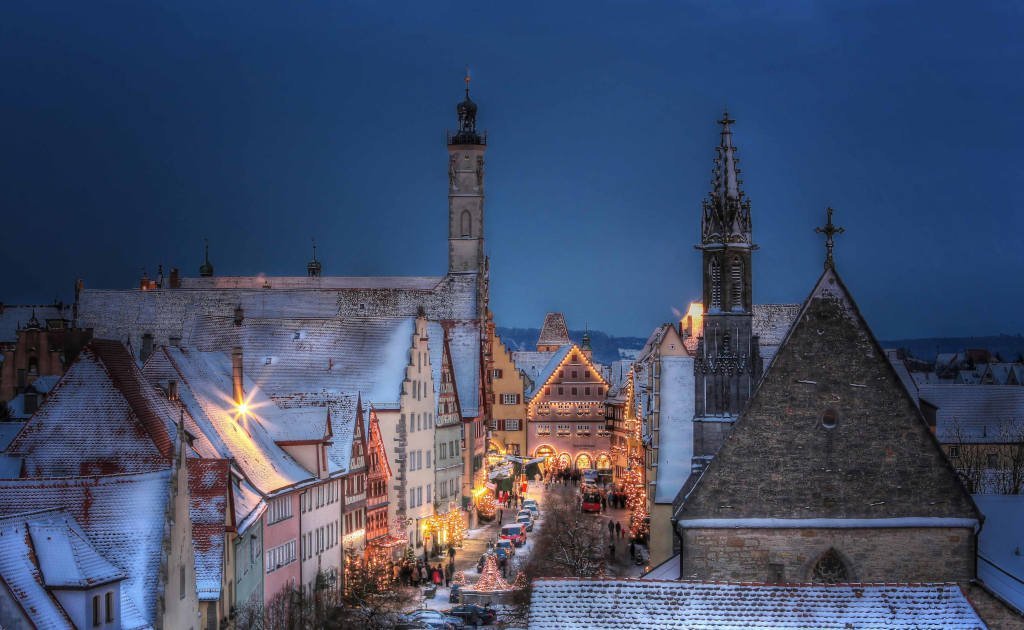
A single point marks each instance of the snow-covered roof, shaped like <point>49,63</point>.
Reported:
<point>464,344</point>
<point>771,322</point>
<point>208,498</point>
<point>103,417</point>
<point>675,437</point>
<point>980,412</point>
<point>205,393</point>
<point>530,362</point>
<point>8,430</point>
<point>1001,546</point>
<point>122,516</point>
<point>422,283</point>
<point>554,331</point>
<point>667,570</point>
<point>15,316</point>
<point>10,466</point>
<point>304,424</point>
<point>44,384</point>
<point>301,356</point>
<point>249,504</point>
<point>559,603</point>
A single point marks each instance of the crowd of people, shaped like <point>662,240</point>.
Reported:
<point>420,573</point>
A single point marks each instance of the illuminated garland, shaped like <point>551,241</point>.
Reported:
<point>450,527</point>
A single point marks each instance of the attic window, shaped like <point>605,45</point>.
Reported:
<point>829,418</point>
<point>268,361</point>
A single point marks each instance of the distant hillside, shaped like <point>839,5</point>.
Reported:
<point>1008,347</point>
<point>606,347</point>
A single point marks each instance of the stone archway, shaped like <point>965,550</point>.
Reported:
<point>584,461</point>
<point>564,461</point>
<point>545,451</point>
<point>603,461</point>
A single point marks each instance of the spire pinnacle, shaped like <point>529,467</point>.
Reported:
<point>314,268</point>
<point>467,80</point>
<point>726,212</point>
<point>829,231</point>
<point>206,269</point>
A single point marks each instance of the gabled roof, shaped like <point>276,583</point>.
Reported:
<point>554,331</point>
<point>549,368</point>
<point>560,603</point>
<point>530,362</point>
<point>979,413</point>
<point>205,394</point>
<point>464,346</point>
<point>877,461</point>
<point>103,417</point>
<point>300,356</point>
<point>208,504</point>
<point>123,517</point>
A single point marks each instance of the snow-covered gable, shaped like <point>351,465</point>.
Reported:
<point>554,360</point>
<point>1001,546</point>
<point>103,417</point>
<point>208,502</point>
<point>675,436</point>
<point>205,394</point>
<point>301,357</point>
<point>123,518</point>
<point>641,604</point>
<point>531,363</point>
<point>980,413</point>
<point>22,577</point>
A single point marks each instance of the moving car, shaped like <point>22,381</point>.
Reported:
<point>474,615</point>
<point>591,499</point>
<point>516,532</point>
<point>524,512</point>
<point>531,505</point>
<point>525,519</point>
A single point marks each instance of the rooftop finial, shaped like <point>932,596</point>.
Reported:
<point>206,269</point>
<point>313,268</point>
<point>466,111</point>
<point>829,231</point>
<point>467,80</point>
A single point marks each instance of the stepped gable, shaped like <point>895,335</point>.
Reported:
<point>781,461</point>
<point>102,418</point>
<point>554,331</point>
<point>208,481</point>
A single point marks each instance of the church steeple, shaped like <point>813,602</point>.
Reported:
<point>314,268</point>
<point>466,149</point>
<point>726,211</point>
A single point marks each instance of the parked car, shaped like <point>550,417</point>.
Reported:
<point>473,614</point>
<point>507,547</point>
<point>527,520</point>
<point>516,532</point>
<point>434,619</point>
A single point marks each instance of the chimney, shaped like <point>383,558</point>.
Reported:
<point>175,279</point>
<point>237,391</point>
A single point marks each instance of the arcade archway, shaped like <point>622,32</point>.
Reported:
<point>604,462</point>
<point>584,461</point>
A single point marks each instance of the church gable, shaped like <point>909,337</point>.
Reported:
<point>829,433</point>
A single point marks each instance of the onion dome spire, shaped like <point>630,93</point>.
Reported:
<point>313,268</point>
<point>466,112</point>
<point>206,269</point>
<point>726,211</point>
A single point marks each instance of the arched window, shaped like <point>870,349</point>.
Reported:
<point>736,284</point>
<point>467,224</point>
<point>716,284</point>
<point>830,569</point>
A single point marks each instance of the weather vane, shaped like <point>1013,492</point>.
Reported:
<point>829,231</point>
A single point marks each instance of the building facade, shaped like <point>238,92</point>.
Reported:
<point>508,415</point>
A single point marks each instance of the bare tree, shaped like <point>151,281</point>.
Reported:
<point>988,464</point>
<point>1009,478</point>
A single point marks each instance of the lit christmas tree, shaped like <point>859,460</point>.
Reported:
<point>490,577</point>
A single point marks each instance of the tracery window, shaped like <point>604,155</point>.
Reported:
<point>830,569</point>
<point>716,284</point>
<point>736,284</point>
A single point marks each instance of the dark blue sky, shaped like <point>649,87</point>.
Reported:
<point>129,131</point>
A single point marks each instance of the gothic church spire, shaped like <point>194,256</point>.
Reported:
<point>726,211</point>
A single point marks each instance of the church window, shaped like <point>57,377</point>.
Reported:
<point>716,284</point>
<point>467,224</point>
<point>830,569</point>
<point>829,418</point>
<point>736,284</point>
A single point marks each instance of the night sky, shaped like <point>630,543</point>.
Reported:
<point>131,131</point>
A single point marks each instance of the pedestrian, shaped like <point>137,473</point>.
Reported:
<point>396,572</point>
<point>604,503</point>
<point>424,576</point>
<point>451,553</point>
<point>611,550</point>
<point>449,571</point>
<point>632,549</point>
<point>611,529</point>
<point>618,529</point>
<point>501,516</point>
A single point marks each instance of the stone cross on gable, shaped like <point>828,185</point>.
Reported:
<point>829,231</point>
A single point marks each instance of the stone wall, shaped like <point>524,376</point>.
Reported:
<point>913,554</point>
